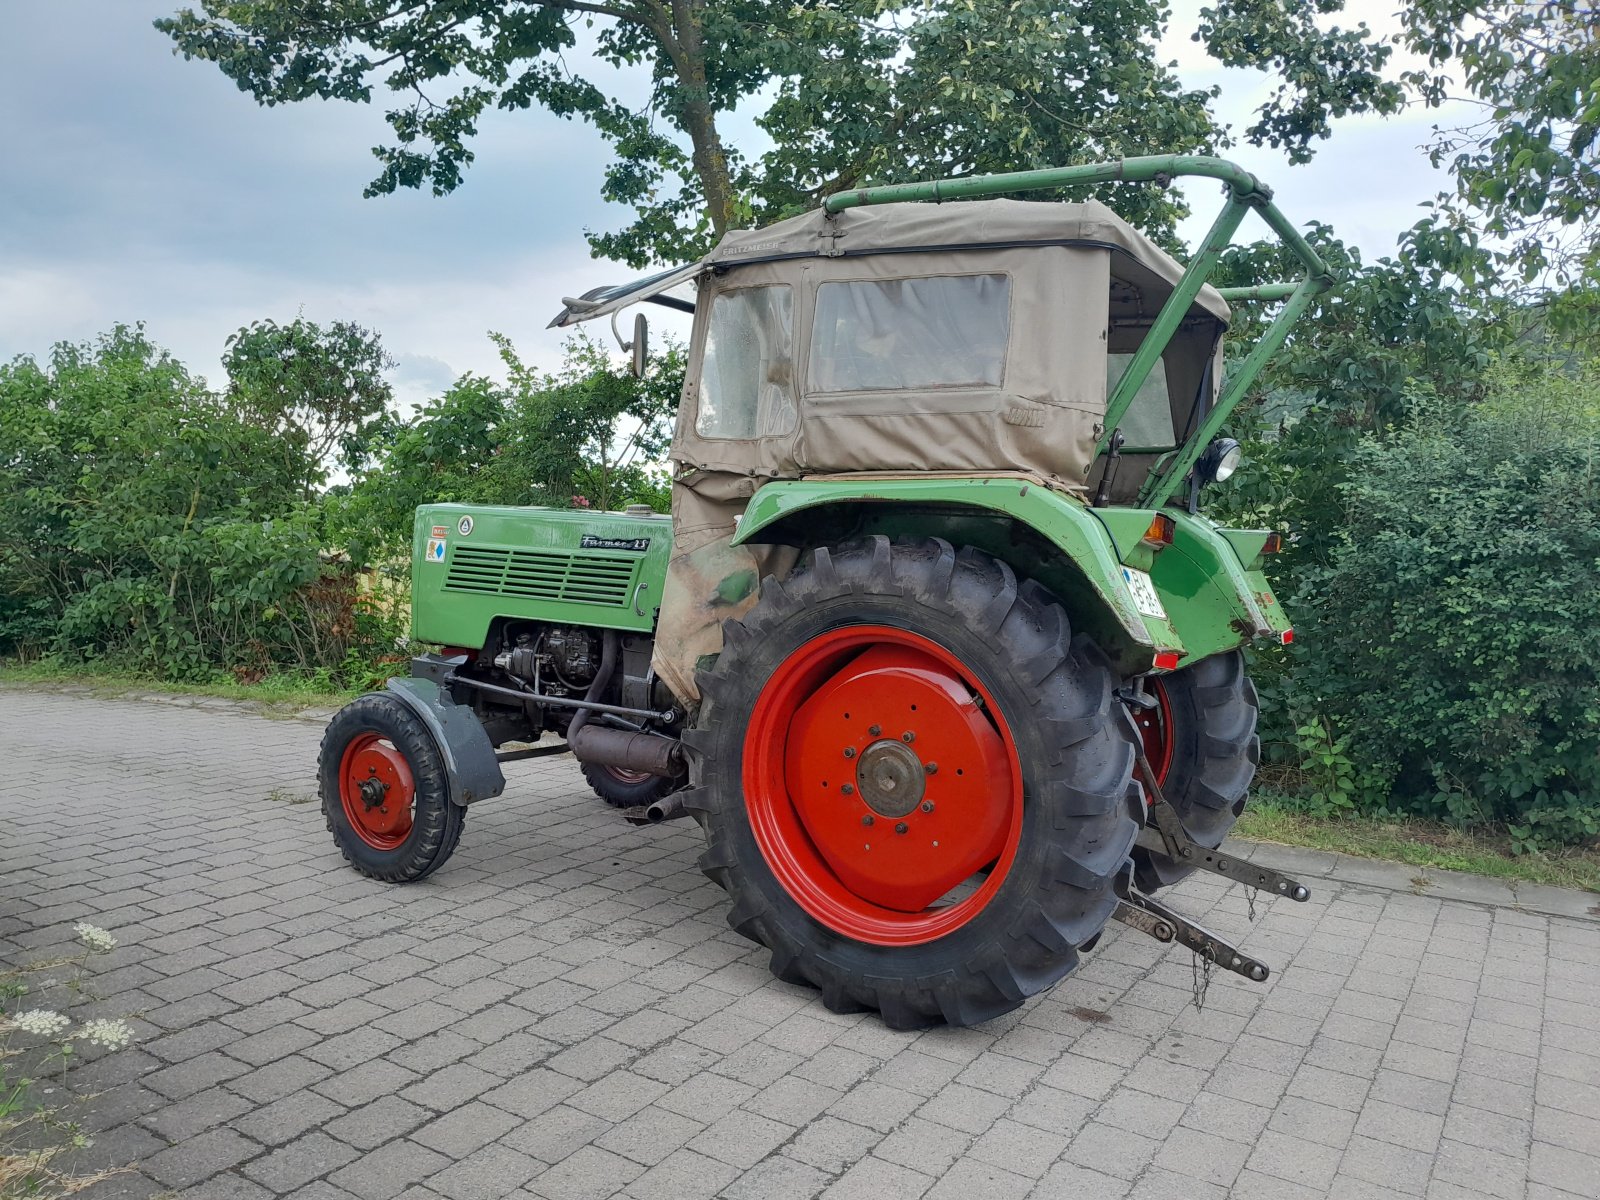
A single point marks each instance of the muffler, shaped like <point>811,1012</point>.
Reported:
<point>628,749</point>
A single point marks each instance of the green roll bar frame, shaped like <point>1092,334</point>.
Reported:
<point>1244,192</point>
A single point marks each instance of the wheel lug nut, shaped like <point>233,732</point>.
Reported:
<point>927,806</point>
<point>849,751</point>
<point>867,820</point>
<point>875,730</point>
<point>848,789</point>
<point>932,768</point>
<point>908,737</point>
<point>901,827</point>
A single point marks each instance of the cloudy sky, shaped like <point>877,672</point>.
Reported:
<point>136,186</point>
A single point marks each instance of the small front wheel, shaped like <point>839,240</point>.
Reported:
<point>384,791</point>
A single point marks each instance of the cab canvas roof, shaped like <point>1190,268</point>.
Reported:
<point>957,226</point>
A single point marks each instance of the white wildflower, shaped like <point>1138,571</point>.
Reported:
<point>113,1035</point>
<point>94,937</point>
<point>41,1021</point>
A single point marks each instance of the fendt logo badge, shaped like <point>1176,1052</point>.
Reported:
<point>465,526</point>
<point>590,542</point>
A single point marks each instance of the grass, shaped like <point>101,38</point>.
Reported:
<point>278,692</point>
<point>1418,843</point>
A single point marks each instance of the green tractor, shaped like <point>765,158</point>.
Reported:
<point>936,645</point>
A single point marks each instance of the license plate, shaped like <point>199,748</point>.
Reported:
<point>1145,598</point>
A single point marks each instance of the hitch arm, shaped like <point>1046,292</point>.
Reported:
<point>1169,837</point>
<point>1155,919</point>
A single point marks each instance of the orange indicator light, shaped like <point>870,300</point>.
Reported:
<point>1160,532</point>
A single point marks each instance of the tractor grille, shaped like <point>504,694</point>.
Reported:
<point>541,575</point>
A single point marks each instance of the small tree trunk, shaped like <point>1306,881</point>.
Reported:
<point>699,117</point>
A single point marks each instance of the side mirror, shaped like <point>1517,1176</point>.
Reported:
<point>640,344</point>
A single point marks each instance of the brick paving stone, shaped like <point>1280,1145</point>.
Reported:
<point>296,1163</point>
<point>562,1013</point>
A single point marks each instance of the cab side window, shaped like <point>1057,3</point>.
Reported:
<point>895,334</point>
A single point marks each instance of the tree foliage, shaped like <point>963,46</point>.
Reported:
<point>850,91</point>
<point>1458,620</point>
<point>320,392</point>
<point>1526,167</point>
<point>588,435</point>
<point>153,523</point>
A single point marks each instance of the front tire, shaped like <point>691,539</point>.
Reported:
<point>1201,742</point>
<point>384,791</point>
<point>921,702</point>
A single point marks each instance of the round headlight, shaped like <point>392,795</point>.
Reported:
<point>1220,460</point>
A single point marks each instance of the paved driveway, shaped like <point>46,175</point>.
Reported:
<point>563,1012</point>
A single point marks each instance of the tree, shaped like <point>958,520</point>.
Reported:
<point>316,390</point>
<point>150,521</point>
<point>588,434</point>
<point>865,90</point>
<point>1526,170</point>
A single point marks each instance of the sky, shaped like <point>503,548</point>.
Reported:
<point>135,186</point>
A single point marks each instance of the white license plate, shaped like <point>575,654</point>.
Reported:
<point>1145,598</point>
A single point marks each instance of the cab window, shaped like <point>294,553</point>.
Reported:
<point>878,335</point>
<point>746,370</point>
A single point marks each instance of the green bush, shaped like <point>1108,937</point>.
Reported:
<point>157,524</point>
<point>1450,644</point>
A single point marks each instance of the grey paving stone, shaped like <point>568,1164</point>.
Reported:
<point>371,1125</point>
<point>384,1173</point>
<point>589,1173</point>
<point>562,1011</point>
<point>199,1158</point>
<point>297,1163</point>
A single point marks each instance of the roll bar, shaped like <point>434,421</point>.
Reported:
<point>1245,192</point>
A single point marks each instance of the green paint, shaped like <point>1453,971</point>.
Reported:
<point>735,587</point>
<point>1212,602</point>
<point>532,563</point>
<point>1063,522</point>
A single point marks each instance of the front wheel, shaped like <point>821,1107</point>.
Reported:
<point>911,782</point>
<point>384,792</point>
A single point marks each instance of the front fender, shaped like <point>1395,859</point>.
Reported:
<point>472,771</point>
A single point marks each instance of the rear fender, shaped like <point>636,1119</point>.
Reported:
<point>472,771</point>
<point>1039,532</point>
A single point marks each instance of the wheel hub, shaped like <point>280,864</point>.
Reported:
<point>890,778</point>
<point>376,788</point>
<point>897,830</point>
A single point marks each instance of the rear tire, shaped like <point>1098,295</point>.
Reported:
<point>1209,744</point>
<point>1004,656</point>
<point>375,744</point>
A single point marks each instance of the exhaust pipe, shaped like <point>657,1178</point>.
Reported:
<point>668,808</point>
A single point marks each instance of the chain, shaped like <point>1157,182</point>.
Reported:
<point>1200,978</point>
<point>1250,903</point>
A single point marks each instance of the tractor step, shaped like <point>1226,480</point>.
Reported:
<point>1154,919</point>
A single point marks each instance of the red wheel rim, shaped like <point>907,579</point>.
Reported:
<point>880,778</point>
<point>1155,731</point>
<point>377,791</point>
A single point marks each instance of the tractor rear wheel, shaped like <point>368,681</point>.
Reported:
<point>912,782</point>
<point>384,792</point>
<point>1201,742</point>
